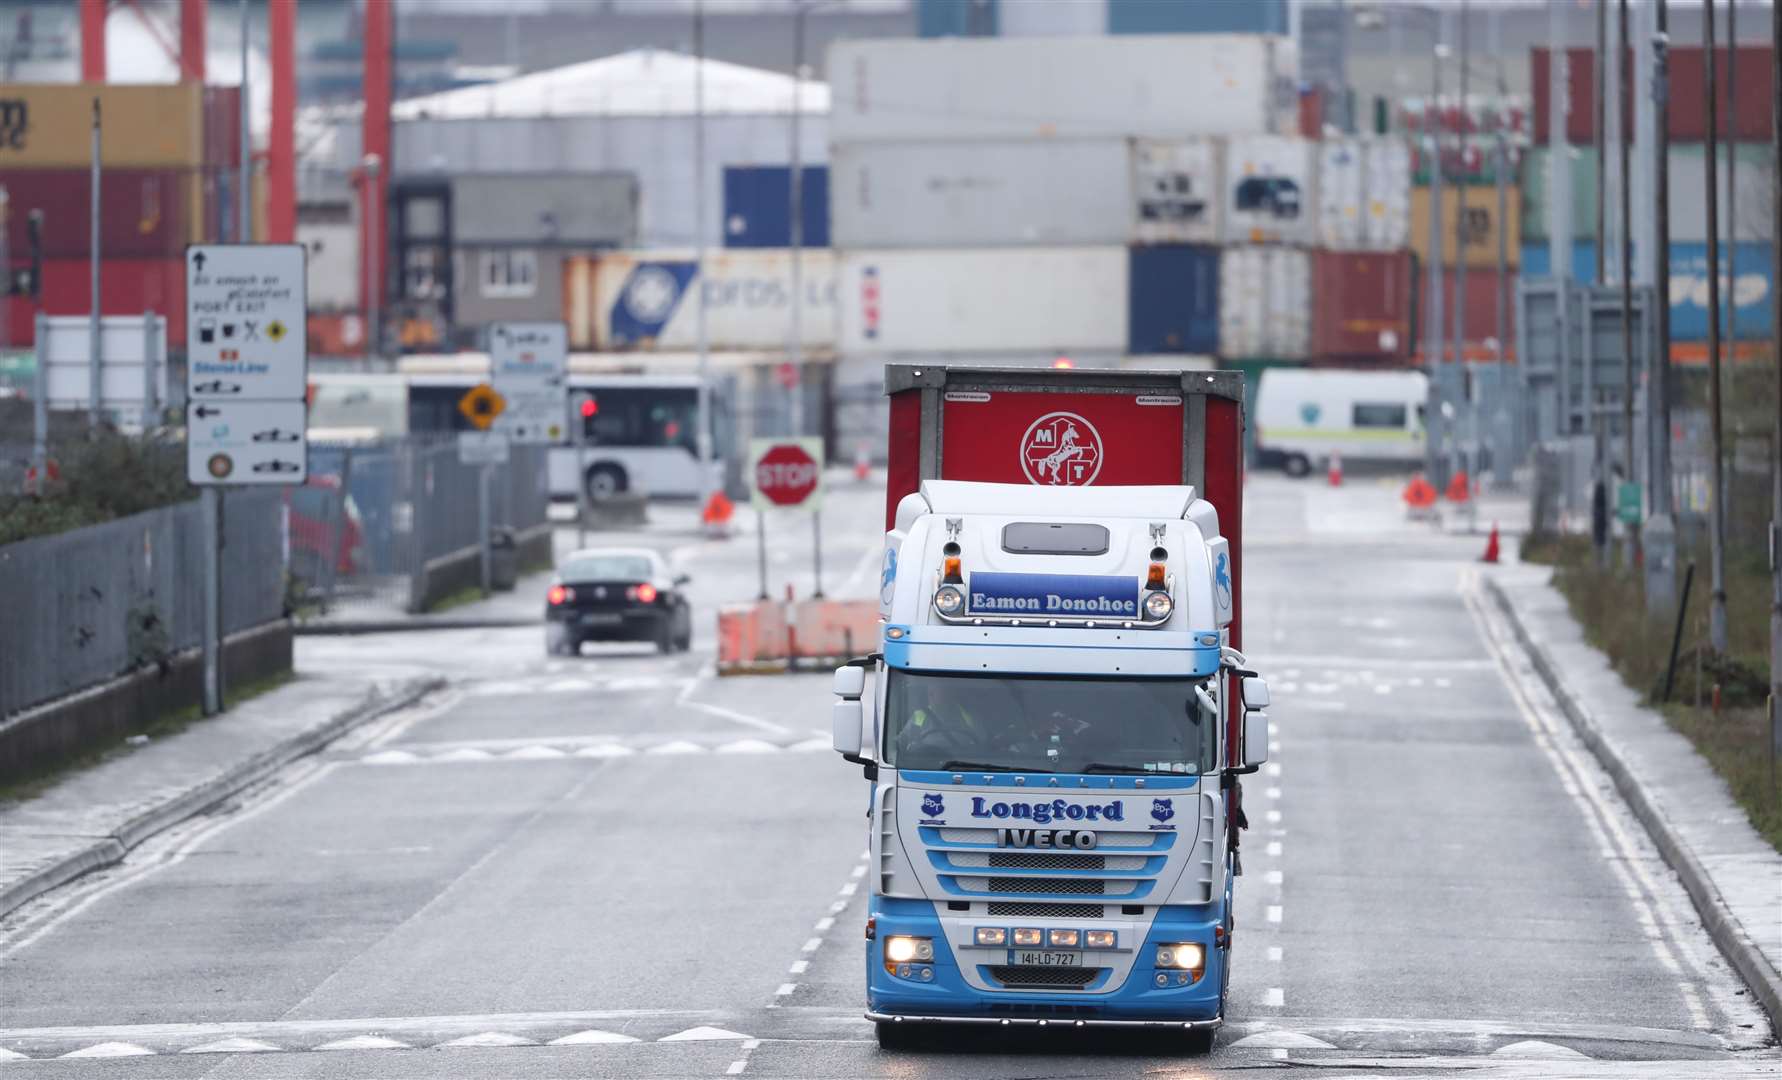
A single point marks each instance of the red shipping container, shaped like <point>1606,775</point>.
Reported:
<point>222,126</point>
<point>1688,110</point>
<point>1361,305</point>
<point>126,287</point>
<point>1480,327</point>
<point>143,213</point>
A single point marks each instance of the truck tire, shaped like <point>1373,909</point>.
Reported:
<point>604,481</point>
<point>897,1036</point>
<point>1297,465</point>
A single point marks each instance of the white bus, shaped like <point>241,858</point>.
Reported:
<point>638,431</point>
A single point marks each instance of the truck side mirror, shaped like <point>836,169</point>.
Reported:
<point>1255,693</point>
<point>850,682</point>
<point>1255,738</point>
<point>845,720</point>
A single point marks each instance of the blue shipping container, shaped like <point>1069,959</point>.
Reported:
<point>1172,299</point>
<point>758,206</point>
<point>1748,287</point>
<point>955,18</point>
<point>1197,17</point>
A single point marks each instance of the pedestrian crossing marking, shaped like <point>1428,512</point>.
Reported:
<point>490,1038</point>
<point>591,1037</point>
<point>364,1042</point>
<point>233,1046</point>
<point>110,1050</point>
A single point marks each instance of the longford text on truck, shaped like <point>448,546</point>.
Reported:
<point>1060,709</point>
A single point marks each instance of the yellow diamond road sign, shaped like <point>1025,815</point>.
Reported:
<point>481,405</point>
<point>275,330</point>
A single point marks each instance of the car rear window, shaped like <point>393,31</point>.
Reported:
<point>607,568</point>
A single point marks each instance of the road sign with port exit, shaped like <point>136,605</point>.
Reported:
<point>527,367</point>
<point>246,442</point>
<point>245,322</point>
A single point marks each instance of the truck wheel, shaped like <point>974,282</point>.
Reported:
<point>898,1036</point>
<point>1297,465</point>
<point>605,481</point>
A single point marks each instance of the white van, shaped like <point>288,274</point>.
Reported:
<point>1305,415</point>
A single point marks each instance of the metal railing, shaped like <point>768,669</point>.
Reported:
<point>90,604</point>
<point>377,518</point>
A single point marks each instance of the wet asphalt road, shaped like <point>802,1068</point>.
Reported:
<point>619,865</point>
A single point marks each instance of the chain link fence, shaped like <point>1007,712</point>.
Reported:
<point>94,603</point>
<point>392,527</point>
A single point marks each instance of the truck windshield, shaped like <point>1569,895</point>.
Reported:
<point>1007,723</point>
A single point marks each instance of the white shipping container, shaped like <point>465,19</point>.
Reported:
<point>978,194</point>
<point>1364,195</point>
<point>1265,303</point>
<point>1269,192</point>
<point>1153,85</point>
<point>1175,191</point>
<point>984,300</point>
<point>332,267</point>
<point>646,301</point>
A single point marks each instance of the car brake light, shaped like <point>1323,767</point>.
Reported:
<point>645,593</point>
<point>558,594</point>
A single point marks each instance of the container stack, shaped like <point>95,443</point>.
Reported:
<point>1469,198</point>
<point>1743,195</point>
<point>167,155</point>
<point>1049,200</point>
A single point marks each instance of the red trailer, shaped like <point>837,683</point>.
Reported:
<point>1147,427</point>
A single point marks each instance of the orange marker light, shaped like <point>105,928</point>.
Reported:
<point>1154,576</point>
<point>950,568</point>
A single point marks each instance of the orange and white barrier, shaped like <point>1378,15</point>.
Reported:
<point>772,635</point>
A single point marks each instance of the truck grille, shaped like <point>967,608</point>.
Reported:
<point>1124,863</point>
<point>1073,886</point>
<point>1013,910</point>
<point>1043,860</point>
<point>1043,977</point>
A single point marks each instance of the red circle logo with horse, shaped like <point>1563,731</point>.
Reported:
<point>1063,449</point>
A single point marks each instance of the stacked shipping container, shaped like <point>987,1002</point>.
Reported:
<point>1745,270</point>
<point>168,155</point>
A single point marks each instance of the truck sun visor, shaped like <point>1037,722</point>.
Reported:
<point>1054,538</point>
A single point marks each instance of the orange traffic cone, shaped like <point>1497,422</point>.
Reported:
<point>1491,548</point>
<point>1336,470</point>
<point>717,514</point>
<point>1459,487</point>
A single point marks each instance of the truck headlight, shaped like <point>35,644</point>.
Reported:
<point>1100,939</point>
<point>992,935</point>
<point>1182,956</point>
<point>1158,605</point>
<point>949,600</point>
<point>901,950</point>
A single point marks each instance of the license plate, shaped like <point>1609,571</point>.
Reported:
<point>602,620</point>
<point>1039,958</point>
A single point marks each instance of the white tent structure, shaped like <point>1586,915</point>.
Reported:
<point>633,112</point>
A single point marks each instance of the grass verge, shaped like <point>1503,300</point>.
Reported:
<point>1735,739</point>
<point>164,726</point>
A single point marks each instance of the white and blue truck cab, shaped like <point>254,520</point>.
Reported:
<point>1046,739</point>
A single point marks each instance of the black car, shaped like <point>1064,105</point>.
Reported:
<point>616,594</point>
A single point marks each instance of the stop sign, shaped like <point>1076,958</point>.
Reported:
<point>788,472</point>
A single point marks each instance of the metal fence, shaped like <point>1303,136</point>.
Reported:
<point>91,604</point>
<point>375,517</point>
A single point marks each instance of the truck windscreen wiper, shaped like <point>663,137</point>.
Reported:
<point>979,766</point>
<point>1135,770</point>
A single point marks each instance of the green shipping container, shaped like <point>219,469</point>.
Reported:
<point>1535,201</point>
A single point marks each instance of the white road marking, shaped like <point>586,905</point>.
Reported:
<point>490,1038</point>
<point>678,746</point>
<point>364,1042</point>
<point>1274,849</point>
<point>11,1055</point>
<point>858,871</point>
<point>750,1044</point>
<point>1274,913</point>
<point>702,1034</point>
<point>110,1050</point>
<point>1273,817</point>
<point>233,1046</point>
<point>685,698</point>
<point>748,746</point>
<point>824,924</point>
<point>812,744</point>
<point>1274,998</point>
<point>786,990</point>
<point>838,907</point>
<point>1273,793</point>
<point>604,750</point>
<point>1274,877</point>
<point>389,757</point>
<point>736,1067</point>
<point>850,888</point>
<point>534,753</point>
<point>1280,1040</point>
<point>799,967</point>
<point>813,944</point>
<point>1273,768</point>
<point>591,1037</point>
<point>465,754</point>
<point>1274,954</point>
